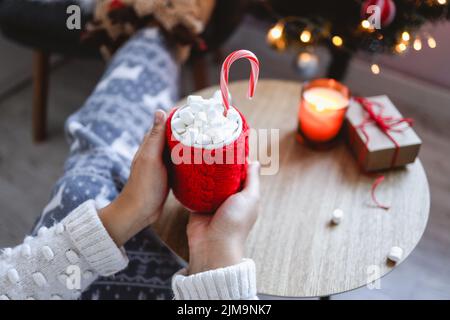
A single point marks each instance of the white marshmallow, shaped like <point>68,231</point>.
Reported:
<point>189,137</point>
<point>196,107</point>
<point>194,99</point>
<point>198,124</point>
<point>217,136</point>
<point>186,116</point>
<point>395,254</point>
<point>213,114</point>
<point>202,117</point>
<point>192,131</point>
<point>217,95</point>
<point>201,122</point>
<point>178,125</point>
<point>337,216</point>
<point>203,139</point>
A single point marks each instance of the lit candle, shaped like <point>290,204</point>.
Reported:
<point>323,105</point>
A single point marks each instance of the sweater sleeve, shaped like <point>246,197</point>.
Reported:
<point>60,262</point>
<point>236,282</point>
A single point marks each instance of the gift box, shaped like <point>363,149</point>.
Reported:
<point>378,135</point>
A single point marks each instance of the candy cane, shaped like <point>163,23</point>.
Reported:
<point>254,74</point>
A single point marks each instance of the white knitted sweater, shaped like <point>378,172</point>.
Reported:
<point>64,260</point>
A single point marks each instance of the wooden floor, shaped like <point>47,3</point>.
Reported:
<point>27,171</point>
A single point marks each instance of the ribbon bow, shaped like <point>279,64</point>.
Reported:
<point>387,125</point>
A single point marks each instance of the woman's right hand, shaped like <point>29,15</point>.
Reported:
<point>218,240</point>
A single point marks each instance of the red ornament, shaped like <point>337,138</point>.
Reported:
<point>116,4</point>
<point>203,187</point>
<point>387,10</point>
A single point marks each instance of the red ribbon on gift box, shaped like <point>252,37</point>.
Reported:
<point>386,124</point>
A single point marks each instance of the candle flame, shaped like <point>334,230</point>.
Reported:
<point>324,99</point>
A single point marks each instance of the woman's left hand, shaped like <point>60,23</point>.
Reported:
<point>140,202</point>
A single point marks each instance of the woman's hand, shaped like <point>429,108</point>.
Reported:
<point>217,241</point>
<point>140,202</point>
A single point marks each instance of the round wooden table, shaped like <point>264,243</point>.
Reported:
<point>297,251</point>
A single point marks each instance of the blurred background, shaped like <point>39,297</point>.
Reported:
<point>45,75</point>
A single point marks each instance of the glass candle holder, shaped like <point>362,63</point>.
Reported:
<point>323,105</point>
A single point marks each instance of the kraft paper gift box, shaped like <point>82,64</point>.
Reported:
<point>380,152</point>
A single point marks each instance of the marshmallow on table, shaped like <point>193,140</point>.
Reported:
<point>202,122</point>
<point>337,216</point>
<point>395,254</point>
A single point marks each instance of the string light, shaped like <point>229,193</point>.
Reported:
<point>275,32</point>
<point>275,37</point>
<point>337,41</point>
<point>417,44</point>
<point>375,68</point>
<point>366,24</point>
<point>401,47</point>
<point>305,36</point>
<point>406,36</point>
<point>432,42</point>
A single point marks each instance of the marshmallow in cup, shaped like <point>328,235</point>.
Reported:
<point>201,123</point>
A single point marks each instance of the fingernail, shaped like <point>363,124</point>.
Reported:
<point>159,116</point>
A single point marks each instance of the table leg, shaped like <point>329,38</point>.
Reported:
<point>40,92</point>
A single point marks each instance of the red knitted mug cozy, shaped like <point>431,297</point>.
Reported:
<point>209,177</point>
<point>203,187</point>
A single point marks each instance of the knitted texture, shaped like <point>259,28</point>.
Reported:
<point>206,178</point>
<point>49,266</point>
<point>116,20</point>
<point>90,237</point>
<point>236,282</point>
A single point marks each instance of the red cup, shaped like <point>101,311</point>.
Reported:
<point>202,179</point>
